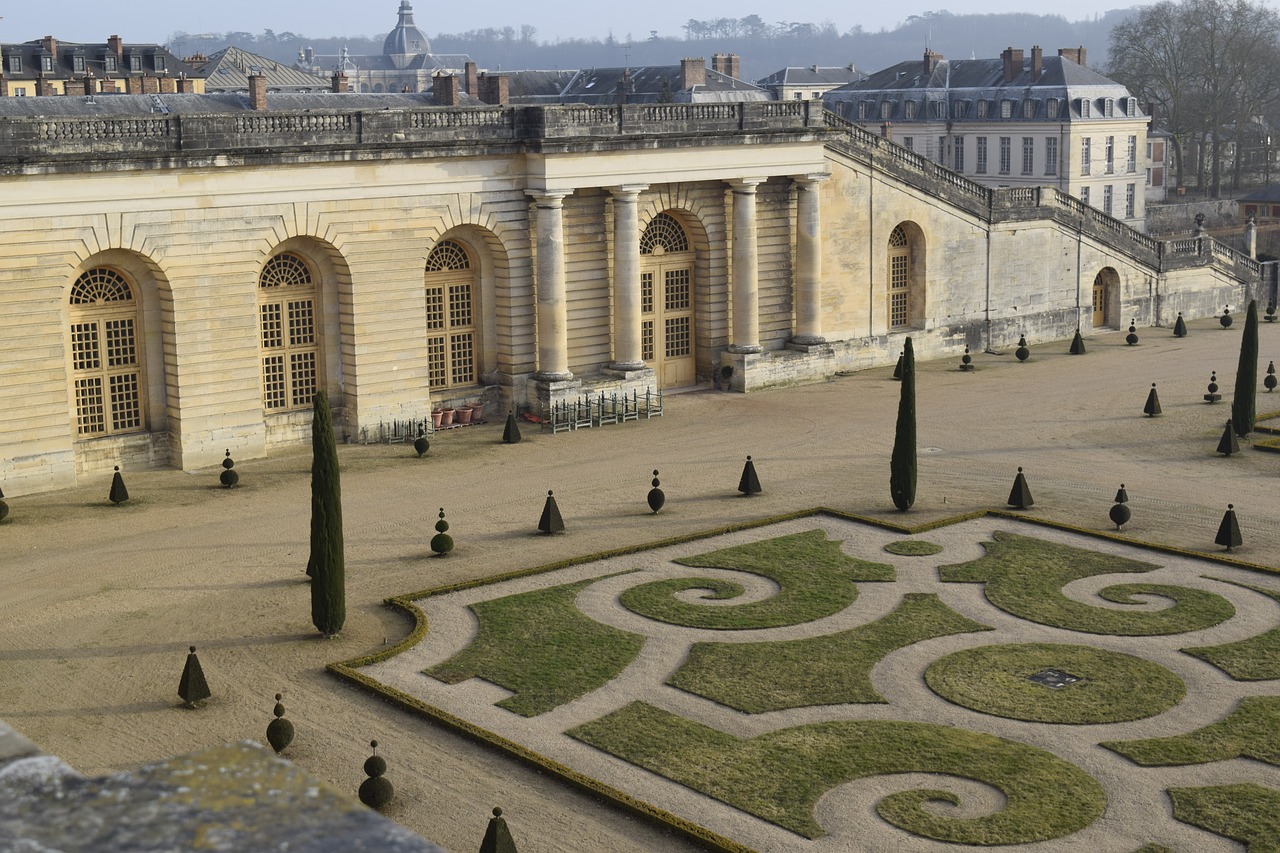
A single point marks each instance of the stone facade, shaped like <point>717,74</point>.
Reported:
<point>517,255</point>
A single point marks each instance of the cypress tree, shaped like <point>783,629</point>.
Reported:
<point>325,566</point>
<point>1243,405</point>
<point>902,465</point>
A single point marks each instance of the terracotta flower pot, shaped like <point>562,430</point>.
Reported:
<point>462,415</point>
<point>446,417</point>
<point>477,411</point>
<point>436,417</point>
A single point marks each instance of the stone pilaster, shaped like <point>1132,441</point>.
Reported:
<point>552,310</point>
<point>745,283</point>
<point>808,294</point>
<point>627,351</point>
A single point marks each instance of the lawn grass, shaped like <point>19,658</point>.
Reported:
<point>827,670</point>
<point>1246,812</point>
<point>815,577</point>
<point>780,776</point>
<point>542,648</point>
<point>1251,730</point>
<point>1251,659</point>
<point>1024,576</point>
<point>913,548</point>
<point>1114,687</point>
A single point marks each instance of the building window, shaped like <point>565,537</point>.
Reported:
<point>1006,154</point>
<point>1132,161</point>
<point>1109,107</point>
<point>957,153</point>
<point>1111,155</point>
<point>1084,195</point>
<point>939,109</point>
<point>288,340</point>
<point>15,63</point>
<point>959,109</point>
<point>1106,199</point>
<point>899,280</point>
<point>942,150</point>
<point>799,96</point>
<point>1006,108</point>
<point>451,325</point>
<point>77,64</point>
<point>1086,156</point>
<point>1130,199</point>
<point>983,106</point>
<point>1132,108</point>
<point>46,63</point>
<point>909,142</point>
<point>862,111</point>
<point>1029,108</point>
<point>106,357</point>
<point>135,63</point>
<point>981,166</point>
<point>1084,108</point>
<point>886,109</point>
<point>1028,154</point>
<point>909,110</point>
<point>1050,156</point>
<point>159,63</point>
<point>109,62</point>
<point>1051,108</point>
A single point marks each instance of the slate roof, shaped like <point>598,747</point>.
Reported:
<point>187,104</point>
<point>153,60</point>
<point>645,85</point>
<point>1269,194</point>
<point>228,70</point>
<point>809,75</point>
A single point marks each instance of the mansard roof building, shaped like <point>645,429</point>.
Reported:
<point>181,274</point>
<point>50,67</point>
<point>1013,121</point>
<point>690,82</point>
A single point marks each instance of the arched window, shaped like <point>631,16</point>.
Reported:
<point>899,279</point>
<point>451,326</point>
<point>666,302</point>
<point>106,354</point>
<point>288,338</point>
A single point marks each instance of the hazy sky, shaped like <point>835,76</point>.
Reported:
<point>155,20</point>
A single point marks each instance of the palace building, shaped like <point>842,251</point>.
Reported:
<point>180,273</point>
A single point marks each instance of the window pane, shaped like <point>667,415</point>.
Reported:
<point>462,357</point>
<point>84,346</point>
<point>302,374</point>
<point>90,415</point>
<point>273,383</point>
<point>126,405</point>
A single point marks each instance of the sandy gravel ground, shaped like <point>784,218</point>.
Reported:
<point>98,603</point>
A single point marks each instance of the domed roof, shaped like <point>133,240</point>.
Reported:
<point>406,40</point>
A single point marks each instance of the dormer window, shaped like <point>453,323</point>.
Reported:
<point>46,63</point>
<point>983,107</point>
<point>1051,108</point>
<point>959,108</point>
<point>77,64</point>
<point>159,63</point>
<point>1084,108</point>
<point>135,62</point>
<point>1006,108</point>
<point>1131,106</point>
<point>886,109</point>
<point>908,110</point>
<point>1029,108</point>
<point>109,62</point>
<point>862,111</point>
<point>15,63</point>
<point>1109,107</point>
<point>939,109</point>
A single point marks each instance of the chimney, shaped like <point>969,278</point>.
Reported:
<point>718,63</point>
<point>186,86</point>
<point>44,87</point>
<point>258,92</point>
<point>133,85</point>
<point>1037,62</point>
<point>50,44</point>
<point>168,85</point>
<point>338,83</point>
<point>693,72</point>
<point>108,86</point>
<point>445,91</point>
<point>90,86</point>
<point>495,89</point>
<point>886,130</point>
<point>624,84</point>
<point>150,85</point>
<point>117,47</point>
<point>931,61</point>
<point>73,87</point>
<point>1075,54</point>
<point>4,86</point>
<point>733,64</point>
<point>469,84</point>
<point>1012,64</point>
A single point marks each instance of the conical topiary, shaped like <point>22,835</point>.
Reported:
<point>1270,381</point>
<point>1077,344</point>
<point>1022,352</point>
<point>966,360</point>
<point>1020,494</point>
<point>1180,327</point>
<point>421,444</point>
<point>497,838</point>
<point>1120,513</point>
<point>1152,408</point>
<point>656,496</point>
<point>897,370</point>
<point>1225,319</point>
<point>192,687</point>
<point>551,522</point>
<point>376,791</point>
<point>902,463</point>
<point>1213,396</point>
<point>279,730</point>
<point>749,483</point>
<point>511,432</point>
<point>228,477</point>
<point>1229,530</point>
<point>1132,338</point>
<point>1244,408</point>
<point>442,542</point>
<point>119,494</point>
<point>1228,444</point>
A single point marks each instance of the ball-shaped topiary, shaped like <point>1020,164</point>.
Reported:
<point>279,730</point>
<point>442,542</point>
<point>228,477</point>
<point>376,791</point>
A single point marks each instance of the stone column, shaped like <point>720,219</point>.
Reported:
<point>745,286</point>
<point>552,312</point>
<point>627,350</point>
<point>808,296</point>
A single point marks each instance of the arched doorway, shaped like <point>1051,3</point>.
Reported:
<point>450,281</point>
<point>108,370</point>
<point>666,302</point>
<point>1106,298</point>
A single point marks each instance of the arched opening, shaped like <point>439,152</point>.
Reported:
<point>906,278</point>
<point>667,276</point>
<point>1106,298</point>
<point>453,332</point>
